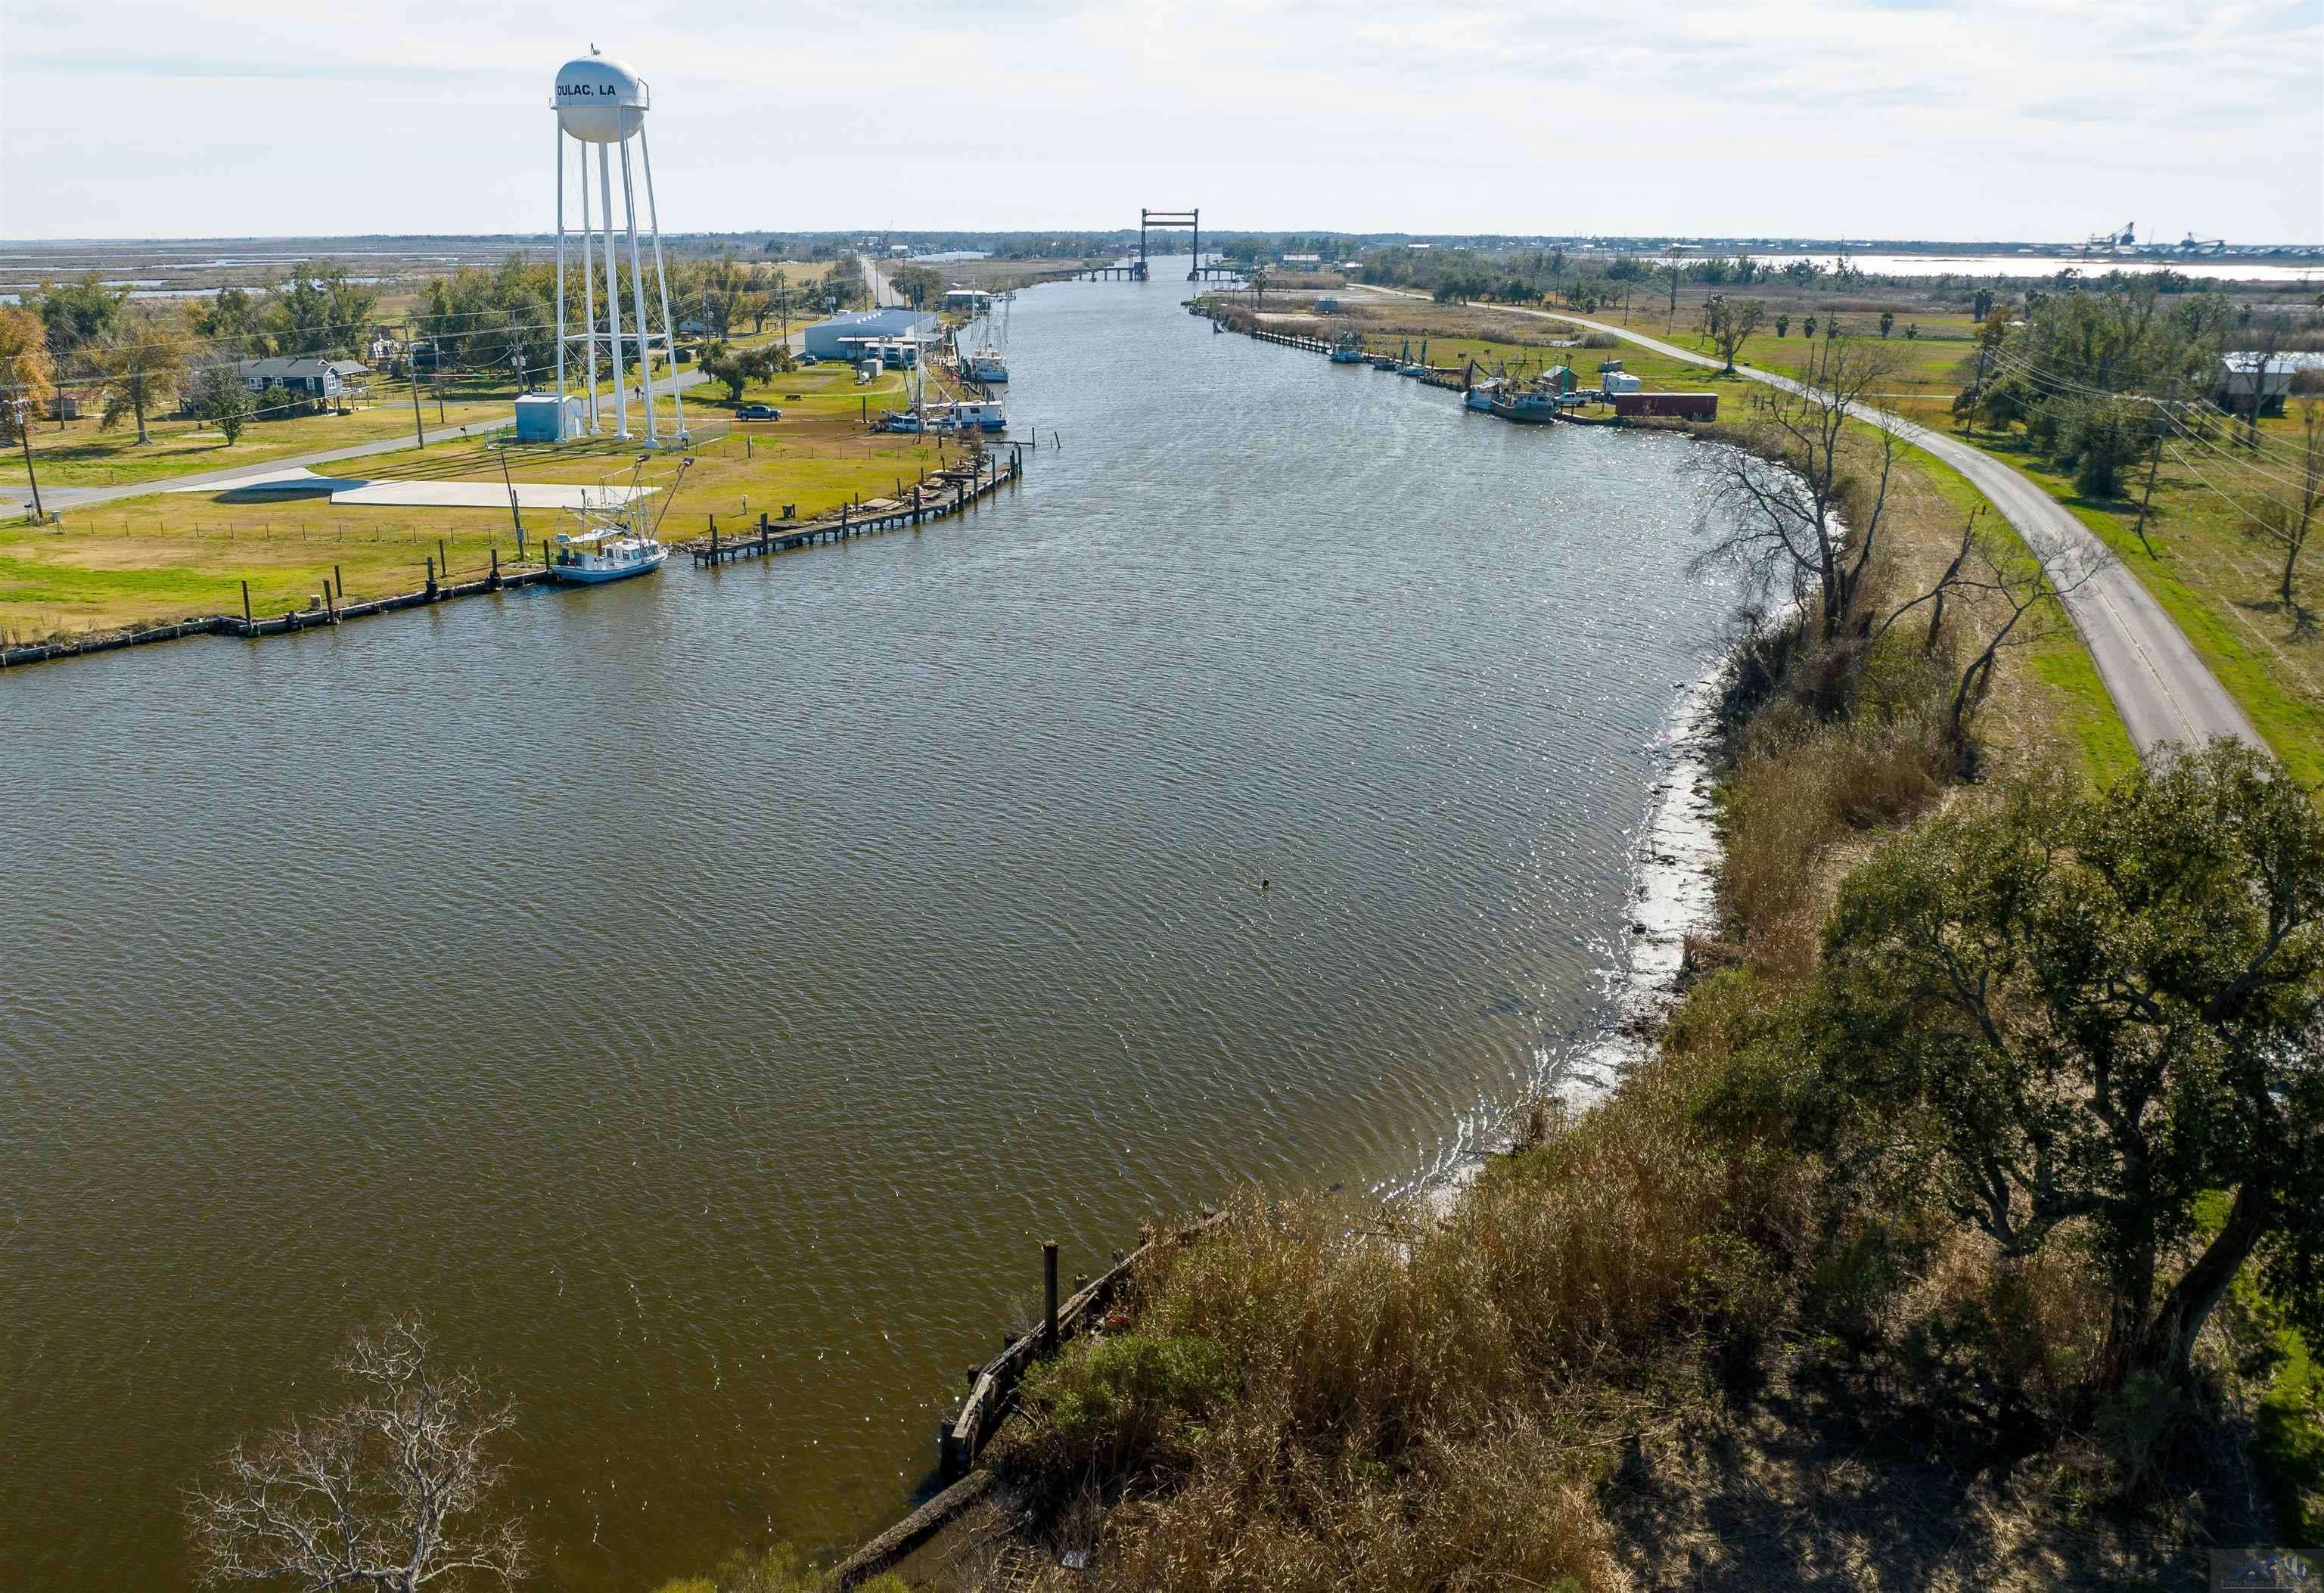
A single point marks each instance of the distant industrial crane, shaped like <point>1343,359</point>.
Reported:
<point>2191,244</point>
<point>2126,238</point>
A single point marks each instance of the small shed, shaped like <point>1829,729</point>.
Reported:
<point>536,416</point>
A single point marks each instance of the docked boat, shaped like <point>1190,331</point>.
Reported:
<point>1350,350</point>
<point>988,364</point>
<point>605,553</point>
<point>1531,406</point>
<point>614,540</point>
<point>967,415</point>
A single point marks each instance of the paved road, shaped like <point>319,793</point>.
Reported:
<point>58,498</point>
<point>2163,690</point>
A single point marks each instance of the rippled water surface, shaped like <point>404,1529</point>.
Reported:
<point>702,994</point>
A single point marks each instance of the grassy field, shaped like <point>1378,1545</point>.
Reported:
<point>165,557</point>
<point>81,454</point>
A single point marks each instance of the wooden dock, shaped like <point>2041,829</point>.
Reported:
<point>326,611</point>
<point>946,492</point>
<point>993,1393</point>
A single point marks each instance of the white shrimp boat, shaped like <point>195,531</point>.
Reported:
<point>614,540</point>
<point>605,553</point>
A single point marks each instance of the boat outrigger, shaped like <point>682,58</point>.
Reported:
<point>987,364</point>
<point>616,538</point>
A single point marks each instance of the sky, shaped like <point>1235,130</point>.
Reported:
<point>1910,119</point>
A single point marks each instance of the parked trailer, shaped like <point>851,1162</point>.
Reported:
<point>1680,406</point>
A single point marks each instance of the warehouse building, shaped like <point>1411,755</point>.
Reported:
<point>851,335</point>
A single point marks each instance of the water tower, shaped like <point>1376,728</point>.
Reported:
<point>604,102</point>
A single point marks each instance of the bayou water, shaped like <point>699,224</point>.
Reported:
<point>702,994</point>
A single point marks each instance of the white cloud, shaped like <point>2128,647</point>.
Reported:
<point>1867,120</point>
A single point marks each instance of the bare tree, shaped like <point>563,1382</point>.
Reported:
<point>393,1492</point>
<point>1935,596</point>
<point>2265,338</point>
<point>1805,502</point>
<point>2286,519</point>
<point>141,360</point>
<point>2019,591</point>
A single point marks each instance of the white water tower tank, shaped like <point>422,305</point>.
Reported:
<point>600,100</point>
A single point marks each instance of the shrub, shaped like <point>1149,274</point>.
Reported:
<point>779,1570</point>
<point>1117,1402</point>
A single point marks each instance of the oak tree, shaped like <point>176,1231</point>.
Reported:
<point>2074,1018</point>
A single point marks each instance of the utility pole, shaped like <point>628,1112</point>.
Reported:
<point>24,432</point>
<point>411,367</point>
<point>1977,387</point>
<point>2153,462</point>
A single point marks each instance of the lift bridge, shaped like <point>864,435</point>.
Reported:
<point>1140,269</point>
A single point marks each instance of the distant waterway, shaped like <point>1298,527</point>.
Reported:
<point>702,994</point>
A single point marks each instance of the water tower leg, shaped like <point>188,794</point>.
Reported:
<point>560,283</point>
<point>661,279</point>
<point>614,294</point>
<point>644,340</point>
<point>589,296</point>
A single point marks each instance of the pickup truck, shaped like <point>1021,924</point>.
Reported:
<point>758,413</point>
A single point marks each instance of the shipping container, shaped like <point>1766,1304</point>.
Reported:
<point>1682,406</point>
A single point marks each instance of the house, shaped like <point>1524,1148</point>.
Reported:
<point>1302,261</point>
<point>329,379</point>
<point>975,300</point>
<point>2232,383</point>
<point>848,336</point>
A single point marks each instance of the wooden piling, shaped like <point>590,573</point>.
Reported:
<point>246,603</point>
<point>1049,1296</point>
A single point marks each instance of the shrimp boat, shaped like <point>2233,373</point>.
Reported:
<point>616,541</point>
<point>967,415</point>
<point>987,364</point>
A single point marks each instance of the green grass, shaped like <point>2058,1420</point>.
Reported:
<point>2204,579</point>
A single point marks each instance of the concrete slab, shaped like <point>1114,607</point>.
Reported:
<point>481,494</point>
<point>359,491</point>
<point>277,483</point>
